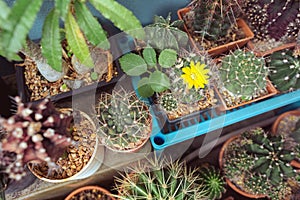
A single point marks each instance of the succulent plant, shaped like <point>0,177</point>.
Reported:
<point>273,19</point>
<point>243,74</point>
<point>162,29</point>
<point>168,102</point>
<point>36,133</point>
<point>213,18</point>
<point>284,70</point>
<point>212,182</point>
<point>125,121</point>
<point>161,181</point>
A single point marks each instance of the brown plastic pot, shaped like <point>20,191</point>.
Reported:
<point>251,46</point>
<point>225,47</point>
<point>232,185</point>
<point>77,191</point>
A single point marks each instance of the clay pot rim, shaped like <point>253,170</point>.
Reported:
<point>90,187</point>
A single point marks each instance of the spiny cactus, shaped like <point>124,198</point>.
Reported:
<point>161,181</point>
<point>212,182</point>
<point>168,102</point>
<point>37,132</point>
<point>125,121</point>
<point>274,19</point>
<point>243,74</point>
<point>284,70</point>
<point>213,18</point>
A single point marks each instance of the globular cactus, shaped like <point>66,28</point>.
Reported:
<point>243,74</point>
<point>125,121</point>
<point>168,102</point>
<point>213,18</point>
<point>36,133</point>
<point>161,181</point>
<point>284,70</point>
<point>212,181</point>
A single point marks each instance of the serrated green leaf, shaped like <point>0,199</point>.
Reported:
<point>167,58</point>
<point>18,23</point>
<point>90,26</point>
<point>133,65</point>
<point>149,56</point>
<point>51,41</point>
<point>144,88</point>
<point>77,41</point>
<point>62,6</point>
<point>159,81</point>
<point>120,16</point>
<point>4,12</point>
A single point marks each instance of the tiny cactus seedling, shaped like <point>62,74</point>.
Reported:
<point>243,74</point>
<point>168,102</point>
<point>36,133</point>
<point>285,70</point>
<point>125,121</point>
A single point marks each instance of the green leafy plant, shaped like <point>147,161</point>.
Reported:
<point>80,27</point>
<point>151,66</point>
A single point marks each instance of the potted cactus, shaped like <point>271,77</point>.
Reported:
<point>90,192</point>
<point>257,164</point>
<point>275,24</point>
<point>50,142</point>
<point>243,79</point>
<point>125,122</point>
<point>214,26</point>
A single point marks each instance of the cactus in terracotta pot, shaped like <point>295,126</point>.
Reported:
<point>36,133</point>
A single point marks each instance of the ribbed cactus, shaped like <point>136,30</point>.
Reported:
<point>168,102</point>
<point>243,74</point>
<point>161,182</point>
<point>284,70</point>
<point>213,18</point>
<point>273,19</point>
<point>125,121</point>
<point>37,132</point>
<point>212,182</point>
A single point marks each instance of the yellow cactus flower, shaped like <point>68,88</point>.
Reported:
<point>195,75</point>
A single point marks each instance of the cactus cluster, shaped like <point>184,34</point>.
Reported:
<point>168,102</point>
<point>284,69</point>
<point>273,18</point>
<point>125,121</point>
<point>37,133</point>
<point>161,181</point>
<point>243,74</point>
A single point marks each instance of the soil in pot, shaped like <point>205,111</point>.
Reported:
<point>90,193</point>
<point>76,156</point>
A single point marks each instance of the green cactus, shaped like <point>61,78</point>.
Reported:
<point>125,121</point>
<point>160,181</point>
<point>284,70</point>
<point>243,74</point>
<point>168,102</point>
<point>212,182</point>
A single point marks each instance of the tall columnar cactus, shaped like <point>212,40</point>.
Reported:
<point>284,70</point>
<point>275,19</point>
<point>213,18</point>
<point>243,74</point>
<point>161,182</point>
<point>37,132</point>
<point>125,121</point>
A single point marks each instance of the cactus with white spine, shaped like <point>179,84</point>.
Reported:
<point>285,70</point>
<point>243,74</point>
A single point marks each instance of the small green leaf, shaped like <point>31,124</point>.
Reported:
<point>4,12</point>
<point>144,88</point>
<point>120,16</point>
<point>167,58</point>
<point>62,6</point>
<point>51,41</point>
<point>17,25</point>
<point>90,26</point>
<point>159,81</point>
<point>133,65</point>
<point>149,55</point>
<point>77,41</point>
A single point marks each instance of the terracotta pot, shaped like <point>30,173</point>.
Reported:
<point>89,169</point>
<point>77,191</point>
<point>225,47</point>
<point>251,46</point>
<point>232,185</point>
